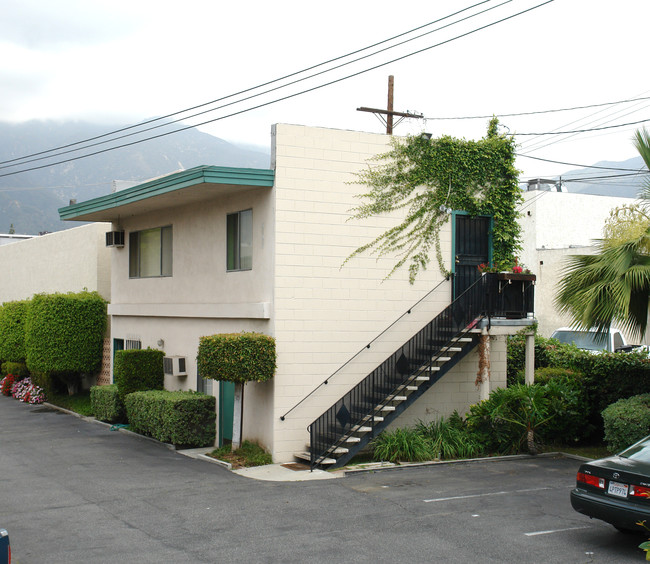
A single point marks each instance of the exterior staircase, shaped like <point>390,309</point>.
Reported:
<point>368,408</point>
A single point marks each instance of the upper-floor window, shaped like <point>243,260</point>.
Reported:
<point>150,252</point>
<point>239,240</point>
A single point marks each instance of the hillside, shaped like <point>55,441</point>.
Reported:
<point>29,201</point>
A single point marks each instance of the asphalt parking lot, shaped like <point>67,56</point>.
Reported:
<point>74,491</point>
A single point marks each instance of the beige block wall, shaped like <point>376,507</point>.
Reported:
<point>324,313</point>
<point>64,261</point>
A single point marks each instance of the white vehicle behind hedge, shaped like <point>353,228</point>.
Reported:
<point>612,341</point>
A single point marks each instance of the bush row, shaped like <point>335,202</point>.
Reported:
<point>57,336</point>
<point>606,377</point>
<point>180,418</point>
<point>515,419</point>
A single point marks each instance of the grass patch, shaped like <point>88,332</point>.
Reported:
<point>249,454</point>
<point>79,403</point>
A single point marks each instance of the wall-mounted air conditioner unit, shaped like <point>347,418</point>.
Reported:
<point>115,238</point>
<point>174,366</point>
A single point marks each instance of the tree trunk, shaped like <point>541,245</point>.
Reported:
<point>532,448</point>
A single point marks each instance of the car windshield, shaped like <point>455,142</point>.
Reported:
<point>639,451</point>
<point>583,339</point>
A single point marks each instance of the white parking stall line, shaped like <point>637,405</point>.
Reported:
<point>483,495</point>
<point>535,533</point>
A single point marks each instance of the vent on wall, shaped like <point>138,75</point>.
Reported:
<point>174,365</point>
<point>115,238</point>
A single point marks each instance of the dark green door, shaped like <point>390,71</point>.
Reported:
<point>226,410</point>
<point>472,246</point>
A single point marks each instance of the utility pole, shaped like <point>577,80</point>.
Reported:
<point>388,112</point>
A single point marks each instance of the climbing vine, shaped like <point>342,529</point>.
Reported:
<point>428,178</point>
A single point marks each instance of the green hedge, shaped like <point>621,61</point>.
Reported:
<point>626,421</point>
<point>237,357</point>
<point>107,404</point>
<point>607,377</point>
<point>13,316</point>
<point>64,333</point>
<point>16,368</point>
<point>138,370</point>
<point>180,418</point>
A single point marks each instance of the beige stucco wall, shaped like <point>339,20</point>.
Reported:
<point>64,261</point>
<point>201,297</point>
<point>556,225</point>
<point>325,312</point>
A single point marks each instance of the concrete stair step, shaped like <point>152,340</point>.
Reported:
<point>307,456</point>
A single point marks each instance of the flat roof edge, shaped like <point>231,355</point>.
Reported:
<point>169,183</point>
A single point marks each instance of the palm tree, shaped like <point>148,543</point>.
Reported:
<point>613,285</point>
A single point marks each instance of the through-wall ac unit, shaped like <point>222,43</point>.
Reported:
<point>174,366</point>
<point>115,238</point>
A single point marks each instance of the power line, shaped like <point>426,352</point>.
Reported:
<point>287,97</point>
<point>540,111</point>
<point>245,91</point>
<point>586,130</point>
<point>577,165</point>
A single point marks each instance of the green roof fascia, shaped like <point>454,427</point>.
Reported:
<point>170,183</point>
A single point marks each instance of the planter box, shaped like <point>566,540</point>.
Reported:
<point>512,295</point>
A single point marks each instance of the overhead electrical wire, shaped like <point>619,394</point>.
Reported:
<point>578,165</point>
<point>289,96</point>
<point>542,141</point>
<point>539,112</point>
<point>586,130</point>
<point>251,89</point>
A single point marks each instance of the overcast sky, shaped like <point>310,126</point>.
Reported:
<point>121,62</point>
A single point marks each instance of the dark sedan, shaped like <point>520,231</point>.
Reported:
<point>616,489</point>
<point>5,548</point>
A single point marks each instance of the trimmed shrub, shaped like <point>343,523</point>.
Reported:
<point>138,370</point>
<point>18,369</point>
<point>107,404</point>
<point>48,383</point>
<point>13,316</point>
<point>626,421</point>
<point>548,373</point>
<point>64,333</point>
<point>180,418</point>
<point>237,357</point>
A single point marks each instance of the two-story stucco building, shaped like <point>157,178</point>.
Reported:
<point>212,250</point>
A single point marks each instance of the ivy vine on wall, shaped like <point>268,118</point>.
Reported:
<point>428,177</point>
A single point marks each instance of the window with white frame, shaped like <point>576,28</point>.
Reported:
<point>239,240</point>
<point>150,252</point>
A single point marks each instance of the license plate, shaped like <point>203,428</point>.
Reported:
<point>617,489</point>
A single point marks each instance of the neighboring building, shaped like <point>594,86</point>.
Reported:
<point>212,249</point>
<point>63,261</point>
<point>6,238</point>
<point>556,225</point>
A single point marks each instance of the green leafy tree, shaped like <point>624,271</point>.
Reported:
<point>425,179</point>
<point>613,285</point>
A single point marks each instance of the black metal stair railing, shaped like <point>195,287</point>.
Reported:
<point>358,406</point>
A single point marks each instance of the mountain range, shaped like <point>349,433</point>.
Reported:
<point>29,201</point>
